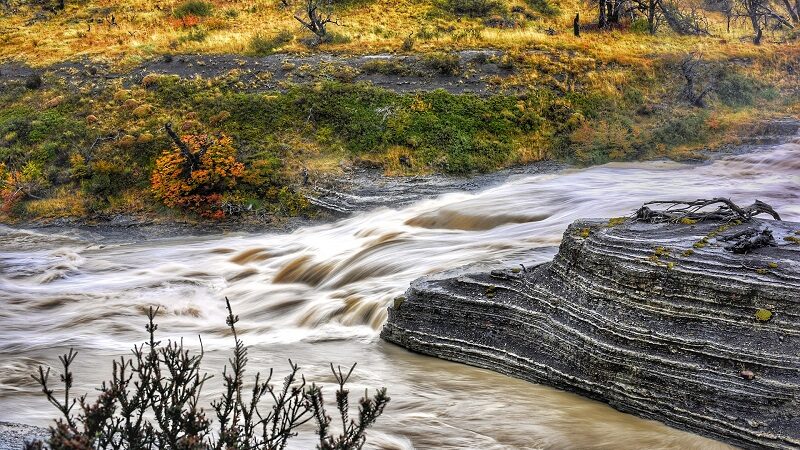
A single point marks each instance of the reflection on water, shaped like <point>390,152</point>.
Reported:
<point>319,295</point>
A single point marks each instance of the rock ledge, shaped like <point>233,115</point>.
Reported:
<point>657,320</point>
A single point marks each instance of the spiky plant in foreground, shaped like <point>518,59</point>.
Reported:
<point>152,402</point>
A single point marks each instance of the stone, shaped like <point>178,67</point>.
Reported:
<point>664,342</point>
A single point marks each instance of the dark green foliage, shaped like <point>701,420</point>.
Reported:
<point>390,66</point>
<point>474,8</point>
<point>544,7</point>
<point>442,63</point>
<point>735,89</point>
<point>261,45</point>
<point>680,130</point>
<point>33,81</point>
<point>152,401</point>
<point>197,8</point>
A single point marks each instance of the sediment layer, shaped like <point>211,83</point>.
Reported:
<point>658,320</point>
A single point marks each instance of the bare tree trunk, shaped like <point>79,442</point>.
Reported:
<point>576,25</point>
<point>601,21</point>
<point>651,16</point>
<point>791,11</point>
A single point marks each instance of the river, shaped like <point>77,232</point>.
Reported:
<point>319,295</point>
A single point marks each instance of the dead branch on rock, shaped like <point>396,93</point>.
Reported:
<point>749,240</point>
<point>678,211</point>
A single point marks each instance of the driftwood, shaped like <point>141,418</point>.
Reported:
<point>749,240</point>
<point>679,211</point>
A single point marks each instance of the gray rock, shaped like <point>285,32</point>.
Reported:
<point>13,436</point>
<point>637,316</point>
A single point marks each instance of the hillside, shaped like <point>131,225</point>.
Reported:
<point>266,112</point>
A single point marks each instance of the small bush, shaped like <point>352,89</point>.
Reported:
<point>386,67</point>
<point>261,45</point>
<point>474,8</point>
<point>444,63</point>
<point>544,7</point>
<point>195,176</point>
<point>198,34</point>
<point>735,89</point>
<point>152,402</point>
<point>197,8</point>
<point>408,43</point>
<point>33,81</point>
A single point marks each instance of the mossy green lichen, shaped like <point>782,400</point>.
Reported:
<point>763,315</point>
<point>398,302</point>
<point>614,221</point>
<point>688,221</point>
<point>585,232</point>
<point>687,253</point>
<point>662,251</point>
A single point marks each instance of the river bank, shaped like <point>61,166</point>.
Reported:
<point>320,294</point>
<point>359,189</point>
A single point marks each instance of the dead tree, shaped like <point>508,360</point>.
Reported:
<point>759,13</point>
<point>794,14</point>
<point>699,79</point>
<point>684,22</point>
<point>651,16</point>
<point>601,18</point>
<point>191,160</point>
<point>318,14</point>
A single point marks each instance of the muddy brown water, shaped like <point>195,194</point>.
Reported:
<point>319,295</point>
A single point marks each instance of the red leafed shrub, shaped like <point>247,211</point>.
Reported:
<point>195,177</point>
<point>186,21</point>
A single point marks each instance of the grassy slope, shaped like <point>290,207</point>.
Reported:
<point>603,96</point>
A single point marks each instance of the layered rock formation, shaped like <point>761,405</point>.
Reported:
<point>658,320</point>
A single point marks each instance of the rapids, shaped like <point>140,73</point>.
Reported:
<point>319,295</point>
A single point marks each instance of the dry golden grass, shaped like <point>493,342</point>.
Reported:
<point>64,203</point>
<point>147,27</point>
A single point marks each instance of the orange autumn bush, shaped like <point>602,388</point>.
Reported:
<point>197,181</point>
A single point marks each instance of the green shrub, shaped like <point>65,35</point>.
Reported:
<point>197,8</point>
<point>196,34</point>
<point>680,130</point>
<point>543,7</point>
<point>474,8</point>
<point>640,26</point>
<point>443,63</point>
<point>390,66</point>
<point>261,45</point>
<point>735,89</point>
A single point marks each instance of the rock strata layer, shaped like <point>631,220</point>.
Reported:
<point>658,320</point>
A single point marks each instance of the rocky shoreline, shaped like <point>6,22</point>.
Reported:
<point>657,320</point>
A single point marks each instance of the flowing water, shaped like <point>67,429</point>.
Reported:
<point>319,295</point>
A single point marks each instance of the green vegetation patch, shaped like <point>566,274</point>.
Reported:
<point>197,8</point>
